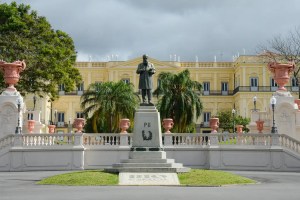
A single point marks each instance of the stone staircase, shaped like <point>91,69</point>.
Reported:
<point>146,161</point>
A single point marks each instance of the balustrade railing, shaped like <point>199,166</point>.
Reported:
<point>289,143</point>
<point>107,139</point>
<point>222,139</point>
<point>37,140</point>
<point>100,140</point>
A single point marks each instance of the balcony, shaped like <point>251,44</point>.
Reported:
<point>74,92</point>
<point>262,89</point>
<point>217,93</point>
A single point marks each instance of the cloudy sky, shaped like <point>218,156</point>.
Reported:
<point>164,28</point>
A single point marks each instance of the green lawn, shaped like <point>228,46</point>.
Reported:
<point>89,177</point>
<point>196,177</point>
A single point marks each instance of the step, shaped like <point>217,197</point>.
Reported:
<point>147,169</point>
<point>148,161</point>
<point>149,165</point>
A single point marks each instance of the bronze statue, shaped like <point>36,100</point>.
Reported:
<point>146,70</point>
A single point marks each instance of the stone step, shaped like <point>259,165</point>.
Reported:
<point>150,165</point>
<point>148,161</point>
<point>147,169</point>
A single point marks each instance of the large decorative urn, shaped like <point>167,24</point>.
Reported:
<point>30,125</point>
<point>239,129</point>
<point>259,125</point>
<point>124,125</point>
<point>214,124</point>
<point>281,73</point>
<point>12,73</point>
<point>168,124</point>
<point>51,128</point>
<point>79,124</point>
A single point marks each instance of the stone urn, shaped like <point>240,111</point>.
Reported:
<point>12,73</point>
<point>281,73</point>
<point>214,124</point>
<point>297,101</point>
<point>30,125</point>
<point>168,124</point>
<point>239,129</point>
<point>51,129</point>
<point>259,125</point>
<point>124,125</point>
<point>79,124</point>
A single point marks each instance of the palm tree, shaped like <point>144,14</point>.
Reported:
<point>107,103</point>
<point>179,99</point>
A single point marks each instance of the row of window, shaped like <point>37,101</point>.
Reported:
<point>60,116</point>
<point>206,85</point>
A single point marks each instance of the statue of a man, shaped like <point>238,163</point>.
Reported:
<point>146,70</point>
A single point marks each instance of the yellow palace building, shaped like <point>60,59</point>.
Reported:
<point>226,85</point>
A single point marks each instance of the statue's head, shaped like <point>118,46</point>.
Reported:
<point>145,57</point>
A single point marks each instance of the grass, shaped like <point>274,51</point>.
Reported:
<point>88,178</point>
<point>196,177</point>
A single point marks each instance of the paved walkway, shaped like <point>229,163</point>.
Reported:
<point>273,186</point>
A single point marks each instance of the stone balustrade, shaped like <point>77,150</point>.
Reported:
<point>175,140</point>
<point>44,140</point>
<point>209,151</point>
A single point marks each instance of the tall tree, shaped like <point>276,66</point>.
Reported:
<point>179,99</point>
<point>285,49</point>
<point>106,103</point>
<point>49,54</point>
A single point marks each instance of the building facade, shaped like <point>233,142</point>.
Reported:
<point>226,85</point>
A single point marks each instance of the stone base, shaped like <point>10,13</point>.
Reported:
<point>147,161</point>
<point>127,178</point>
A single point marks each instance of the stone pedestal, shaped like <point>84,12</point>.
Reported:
<point>147,156</point>
<point>9,113</point>
<point>147,129</point>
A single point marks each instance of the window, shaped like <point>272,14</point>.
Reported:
<point>80,87</point>
<point>206,88</point>
<point>79,115</point>
<point>253,83</point>
<point>224,86</point>
<point>206,117</point>
<point>60,117</point>
<point>273,84</point>
<point>61,87</point>
<point>294,82</point>
<point>126,80</point>
<point>30,116</point>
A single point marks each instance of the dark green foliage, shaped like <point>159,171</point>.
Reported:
<point>179,99</point>
<point>106,103</point>
<point>49,54</point>
<point>226,120</point>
